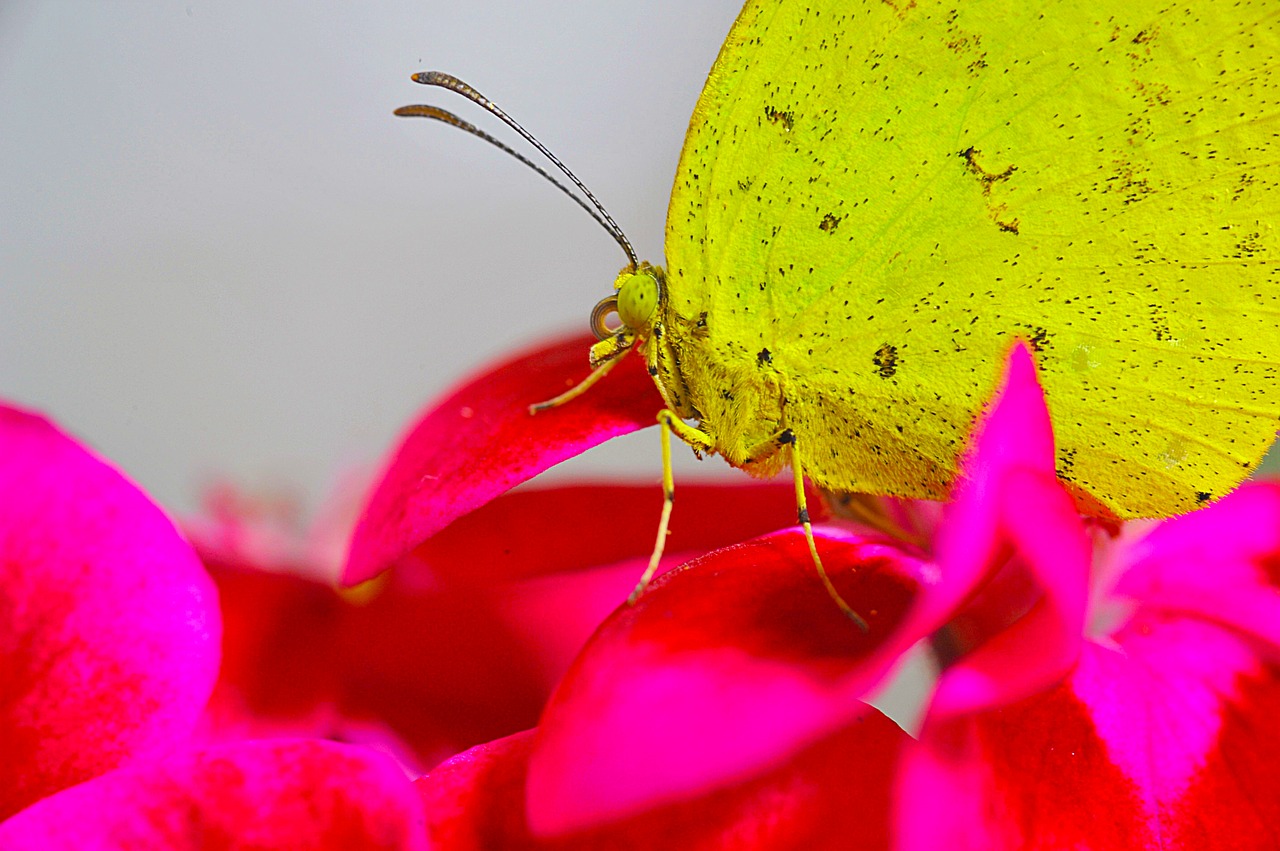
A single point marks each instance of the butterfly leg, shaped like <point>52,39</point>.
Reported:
<point>665,419</point>
<point>802,512</point>
<point>581,387</point>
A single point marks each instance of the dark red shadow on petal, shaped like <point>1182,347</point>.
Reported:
<point>1033,774</point>
<point>1235,800</point>
<point>260,795</point>
<point>831,795</point>
<point>468,649</point>
<point>438,669</point>
<point>536,532</point>
<point>481,440</point>
<point>722,669</point>
<point>764,598</point>
<point>1165,737</point>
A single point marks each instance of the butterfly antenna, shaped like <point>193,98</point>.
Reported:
<point>435,112</point>
<point>453,84</point>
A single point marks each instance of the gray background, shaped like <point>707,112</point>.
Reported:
<point>221,256</point>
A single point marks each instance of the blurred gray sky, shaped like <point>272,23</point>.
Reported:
<point>222,256</point>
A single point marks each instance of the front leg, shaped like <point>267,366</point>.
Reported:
<point>701,442</point>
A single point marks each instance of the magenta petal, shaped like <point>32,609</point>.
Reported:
<point>260,795</point>
<point>1040,520</point>
<point>721,669</point>
<point>1009,508</point>
<point>481,440</point>
<point>1221,562</point>
<point>831,795</point>
<point>1166,740</point>
<point>109,627</point>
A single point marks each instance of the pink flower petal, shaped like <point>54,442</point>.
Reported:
<point>1040,523</point>
<point>831,795</point>
<point>1010,509</point>
<point>1221,562</point>
<point>109,626</point>
<point>260,795</point>
<point>481,441</point>
<point>1165,741</point>
<point>1013,434</point>
<point>722,669</point>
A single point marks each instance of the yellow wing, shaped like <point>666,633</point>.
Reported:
<point>874,198</point>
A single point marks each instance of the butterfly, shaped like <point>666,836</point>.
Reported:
<point>874,199</point>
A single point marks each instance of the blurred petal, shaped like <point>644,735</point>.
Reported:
<point>1009,508</point>
<point>721,670</point>
<point>435,669</point>
<point>1040,523</point>
<point>832,794</point>
<point>454,648</point>
<point>481,441</point>
<point>1221,562</point>
<point>109,626</point>
<point>1165,741</point>
<point>259,795</point>
<point>1014,434</point>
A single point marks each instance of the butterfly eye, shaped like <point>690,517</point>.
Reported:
<point>638,300</point>
<point>600,314</point>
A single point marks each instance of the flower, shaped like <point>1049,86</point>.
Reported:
<point>463,642</point>
<point>109,646</point>
<point>735,672</point>
<point>1098,688</point>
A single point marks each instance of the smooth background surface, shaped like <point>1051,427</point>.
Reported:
<point>221,256</point>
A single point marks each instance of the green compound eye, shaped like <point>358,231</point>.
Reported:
<point>638,300</point>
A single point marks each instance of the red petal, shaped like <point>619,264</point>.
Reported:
<point>721,670</point>
<point>530,533</point>
<point>444,661</point>
<point>481,441</point>
<point>436,669</point>
<point>260,795</point>
<point>1009,503</point>
<point>109,626</point>
<point>1039,520</point>
<point>830,795</point>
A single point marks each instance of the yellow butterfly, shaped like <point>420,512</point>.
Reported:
<point>875,198</point>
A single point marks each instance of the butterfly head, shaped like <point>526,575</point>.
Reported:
<point>638,295</point>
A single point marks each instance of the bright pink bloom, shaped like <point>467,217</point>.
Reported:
<point>109,635</point>
<point>261,795</point>
<point>109,627</point>
<point>1164,732</point>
